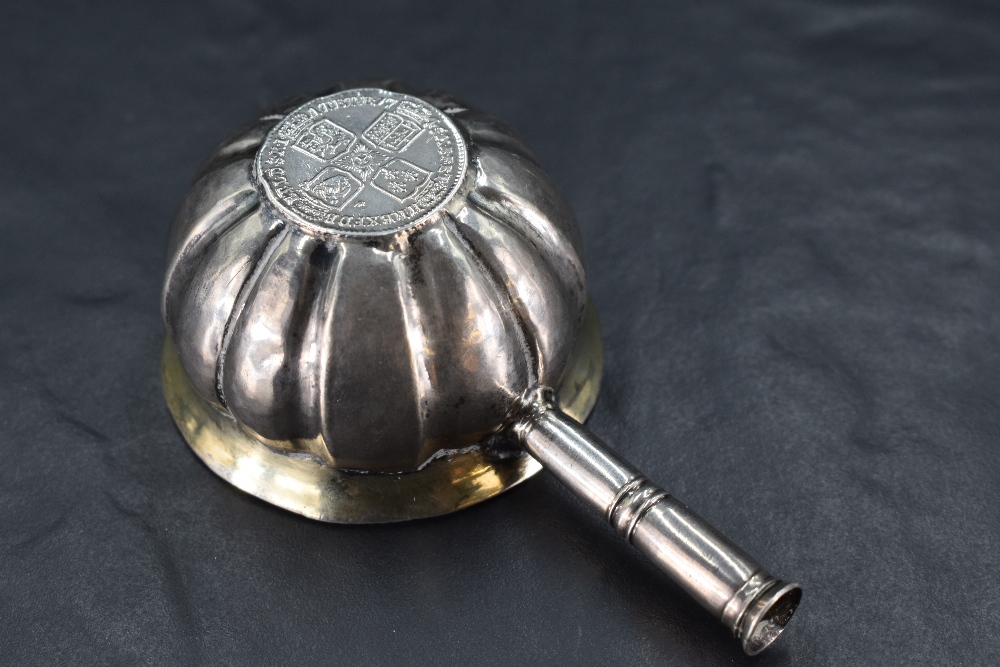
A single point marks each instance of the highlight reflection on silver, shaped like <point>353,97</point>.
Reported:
<point>371,278</point>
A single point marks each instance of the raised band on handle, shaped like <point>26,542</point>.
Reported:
<point>723,578</point>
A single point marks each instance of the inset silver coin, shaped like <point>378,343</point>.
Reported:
<point>362,162</point>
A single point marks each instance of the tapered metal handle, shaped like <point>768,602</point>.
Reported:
<point>714,571</point>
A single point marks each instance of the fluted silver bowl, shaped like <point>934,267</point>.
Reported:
<point>373,343</point>
<point>368,294</point>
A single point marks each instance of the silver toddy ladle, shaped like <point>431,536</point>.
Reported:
<point>377,311</point>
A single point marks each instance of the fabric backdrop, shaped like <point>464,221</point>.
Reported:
<point>790,210</point>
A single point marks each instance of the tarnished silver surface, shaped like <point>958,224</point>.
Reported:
<point>373,342</point>
<point>371,282</point>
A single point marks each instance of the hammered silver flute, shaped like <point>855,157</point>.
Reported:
<point>376,310</point>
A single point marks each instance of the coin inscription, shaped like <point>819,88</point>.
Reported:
<point>362,162</point>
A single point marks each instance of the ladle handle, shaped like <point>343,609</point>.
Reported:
<point>714,571</point>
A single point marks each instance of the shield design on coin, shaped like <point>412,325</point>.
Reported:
<point>333,187</point>
<point>421,115</point>
<point>392,132</point>
<point>362,162</point>
<point>324,139</point>
<point>400,179</point>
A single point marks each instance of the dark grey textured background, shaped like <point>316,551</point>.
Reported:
<point>791,214</point>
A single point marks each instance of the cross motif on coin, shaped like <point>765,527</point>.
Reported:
<point>362,161</point>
